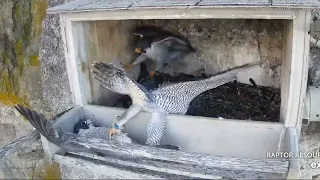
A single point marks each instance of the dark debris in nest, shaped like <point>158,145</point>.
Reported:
<point>233,100</point>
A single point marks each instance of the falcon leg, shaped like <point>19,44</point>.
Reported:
<point>139,59</point>
<point>159,68</point>
<point>128,114</point>
<point>114,130</point>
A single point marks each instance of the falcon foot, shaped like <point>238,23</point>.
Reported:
<point>152,74</point>
<point>114,130</point>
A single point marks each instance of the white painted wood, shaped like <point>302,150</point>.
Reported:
<point>182,13</point>
<point>170,163</point>
<point>63,24</point>
<point>296,65</point>
<point>94,5</point>
<point>77,80</point>
<point>292,140</point>
<point>164,3</point>
<point>75,168</point>
<point>201,134</point>
<point>160,163</point>
<point>299,3</point>
<point>235,2</point>
<point>82,52</point>
<point>305,69</point>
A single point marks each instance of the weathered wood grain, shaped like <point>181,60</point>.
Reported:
<point>174,169</point>
<point>234,2</point>
<point>18,144</point>
<point>301,3</point>
<point>166,3</point>
<point>181,163</point>
<point>94,5</point>
<point>76,168</point>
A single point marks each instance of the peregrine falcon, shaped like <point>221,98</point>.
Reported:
<point>73,142</point>
<point>161,47</point>
<point>167,99</point>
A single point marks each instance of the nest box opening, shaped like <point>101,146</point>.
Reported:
<point>220,44</point>
<point>256,110</point>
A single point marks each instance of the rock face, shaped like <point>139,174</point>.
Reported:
<point>33,71</point>
<point>24,81</point>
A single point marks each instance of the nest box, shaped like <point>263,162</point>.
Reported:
<point>100,30</point>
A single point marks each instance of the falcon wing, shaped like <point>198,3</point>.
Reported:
<point>105,75</point>
<point>38,121</point>
<point>175,43</point>
<point>67,141</point>
<point>156,127</point>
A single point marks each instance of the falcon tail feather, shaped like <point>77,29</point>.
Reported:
<point>37,120</point>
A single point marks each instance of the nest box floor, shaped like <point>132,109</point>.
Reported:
<point>233,100</point>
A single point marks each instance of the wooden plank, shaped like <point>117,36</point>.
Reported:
<point>108,4</point>
<point>92,5</point>
<point>76,168</point>
<point>63,25</point>
<point>298,70</point>
<point>305,70</point>
<point>211,133</point>
<point>85,48</point>
<point>185,170</point>
<point>79,87</point>
<point>165,3</point>
<point>180,163</point>
<point>181,13</point>
<point>299,3</point>
<point>292,140</point>
<point>285,68</point>
<point>234,2</point>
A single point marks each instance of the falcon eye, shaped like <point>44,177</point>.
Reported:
<point>83,123</point>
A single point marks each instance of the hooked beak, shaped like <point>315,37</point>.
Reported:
<point>139,50</point>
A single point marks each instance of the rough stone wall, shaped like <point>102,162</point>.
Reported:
<point>225,43</point>
<point>23,80</point>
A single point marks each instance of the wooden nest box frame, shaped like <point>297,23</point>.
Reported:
<point>221,148</point>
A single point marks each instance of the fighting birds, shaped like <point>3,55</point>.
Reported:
<point>160,46</point>
<point>167,99</point>
<point>74,142</point>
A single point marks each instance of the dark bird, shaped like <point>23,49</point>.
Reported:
<point>74,142</point>
<point>159,46</point>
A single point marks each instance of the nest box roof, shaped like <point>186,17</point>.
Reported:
<point>104,5</point>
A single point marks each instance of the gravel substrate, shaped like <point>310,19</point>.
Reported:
<point>233,100</point>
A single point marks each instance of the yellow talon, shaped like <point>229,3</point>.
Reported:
<point>138,50</point>
<point>151,74</point>
<point>112,132</point>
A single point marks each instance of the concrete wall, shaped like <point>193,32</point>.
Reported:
<point>24,77</point>
<point>33,70</point>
